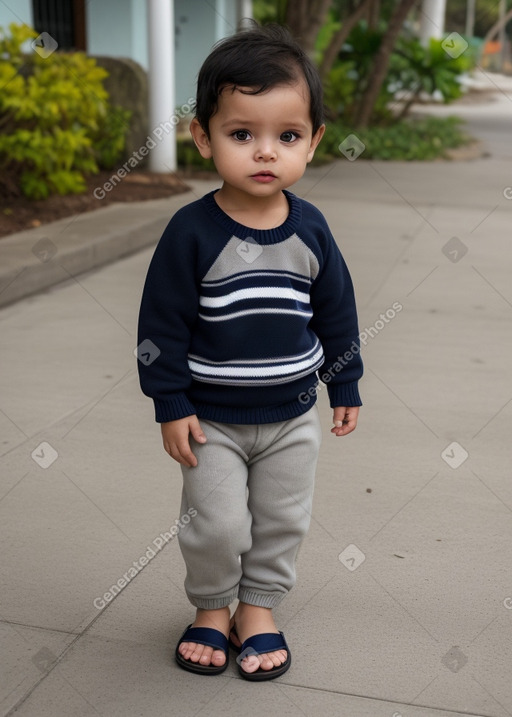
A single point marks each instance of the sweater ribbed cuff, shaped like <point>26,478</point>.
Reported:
<point>344,394</point>
<point>173,408</point>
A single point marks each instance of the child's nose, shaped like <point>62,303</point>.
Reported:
<point>266,150</point>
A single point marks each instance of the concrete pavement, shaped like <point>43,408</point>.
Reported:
<point>403,605</point>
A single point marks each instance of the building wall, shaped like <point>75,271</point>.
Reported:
<point>198,25</point>
<point>118,28</point>
<point>21,13</point>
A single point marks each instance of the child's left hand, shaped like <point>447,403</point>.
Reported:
<point>344,419</point>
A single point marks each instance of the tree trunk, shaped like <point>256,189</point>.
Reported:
<point>497,27</point>
<point>339,37</point>
<point>305,18</point>
<point>373,15</point>
<point>381,64</point>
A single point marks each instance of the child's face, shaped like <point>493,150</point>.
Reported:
<point>260,144</point>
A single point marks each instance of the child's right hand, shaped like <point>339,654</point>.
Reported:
<point>175,436</point>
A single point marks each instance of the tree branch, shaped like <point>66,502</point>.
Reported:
<point>339,37</point>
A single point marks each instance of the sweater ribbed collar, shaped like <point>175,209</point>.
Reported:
<point>261,236</point>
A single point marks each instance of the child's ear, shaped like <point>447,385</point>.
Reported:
<point>315,141</point>
<point>201,139</point>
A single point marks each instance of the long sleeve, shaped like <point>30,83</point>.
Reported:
<point>335,323</point>
<point>168,311</point>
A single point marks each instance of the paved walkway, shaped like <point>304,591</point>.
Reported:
<point>403,605</point>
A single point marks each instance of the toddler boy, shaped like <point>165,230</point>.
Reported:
<point>246,298</point>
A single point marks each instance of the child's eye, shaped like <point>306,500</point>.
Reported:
<point>242,135</point>
<point>289,136</point>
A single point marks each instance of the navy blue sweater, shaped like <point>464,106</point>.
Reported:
<point>235,322</point>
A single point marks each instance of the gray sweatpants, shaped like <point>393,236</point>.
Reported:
<point>252,490</point>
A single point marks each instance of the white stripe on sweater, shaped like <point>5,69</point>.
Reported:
<point>237,314</point>
<point>254,371</point>
<point>258,292</point>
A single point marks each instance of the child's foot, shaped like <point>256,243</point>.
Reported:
<point>251,620</point>
<point>204,655</point>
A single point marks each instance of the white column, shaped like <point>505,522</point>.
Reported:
<point>162,158</point>
<point>244,10</point>
<point>470,17</point>
<point>220,20</point>
<point>432,15</point>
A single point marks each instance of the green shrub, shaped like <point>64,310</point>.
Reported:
<point>56,125</point>
<point>188,156</point>
<point>415,69</point>
<point>109,140</point>
<point>412,139</point>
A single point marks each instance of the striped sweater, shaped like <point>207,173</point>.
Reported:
<point>236,322</point>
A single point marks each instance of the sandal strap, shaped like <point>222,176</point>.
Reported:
<point>205,636</point>
<point>264,642</point>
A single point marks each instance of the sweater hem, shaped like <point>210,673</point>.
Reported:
<point>254,415</point>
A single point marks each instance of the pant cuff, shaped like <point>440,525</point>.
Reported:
<point>212,603</point>
<point>260,598</point>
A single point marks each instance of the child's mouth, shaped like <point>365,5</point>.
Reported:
<point>263,177</point>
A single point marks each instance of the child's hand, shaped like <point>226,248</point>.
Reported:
<point>344,419</point>
<point>175,436</point>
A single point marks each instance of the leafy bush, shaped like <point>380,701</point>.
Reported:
<point>418,139</point>
<point>188,156</point>
<point>109,140</point>
<point>56,124</point>
<point>413,71</point>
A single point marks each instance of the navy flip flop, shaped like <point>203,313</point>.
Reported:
<point>203,636</point>
<point>258,645</point>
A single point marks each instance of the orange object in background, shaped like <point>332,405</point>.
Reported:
<point>492,48</point>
